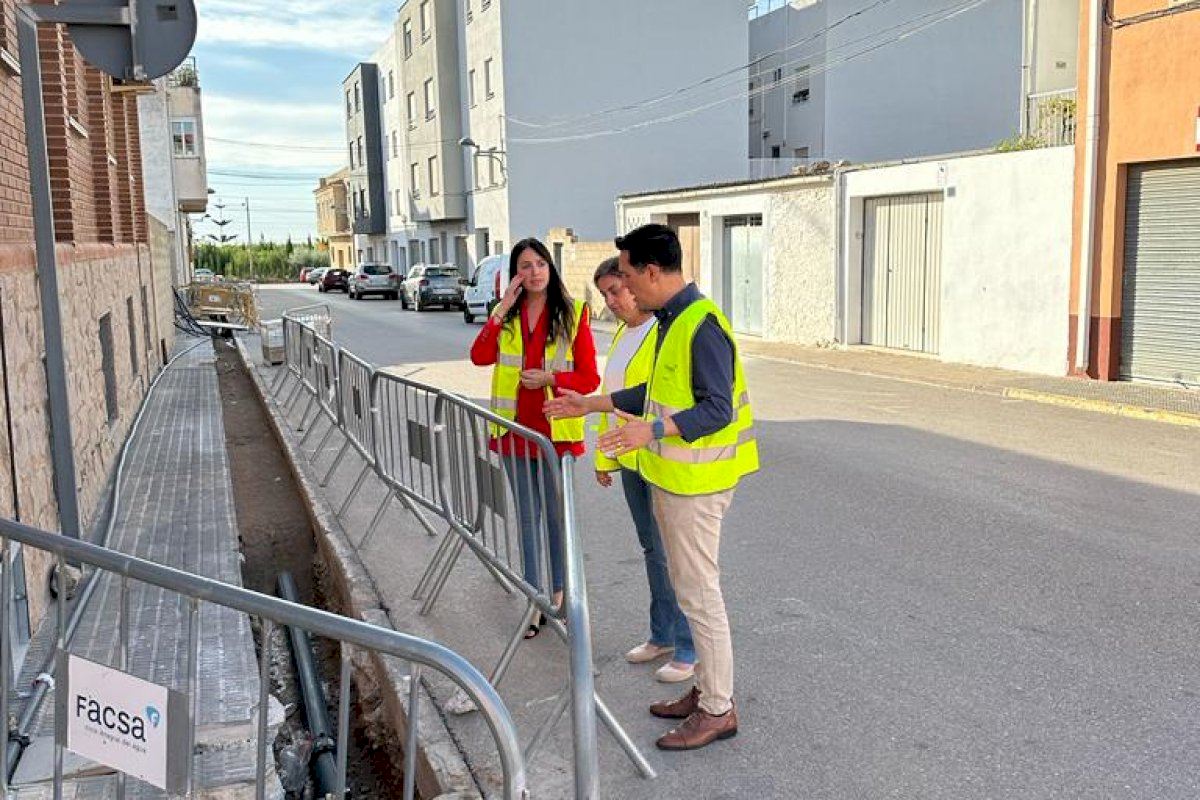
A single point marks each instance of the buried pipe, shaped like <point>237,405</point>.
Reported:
<point>325,771</point>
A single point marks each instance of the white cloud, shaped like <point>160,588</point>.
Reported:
<point>284,125</point>
<point>327,25</point>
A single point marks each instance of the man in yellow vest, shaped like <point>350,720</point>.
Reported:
<point>692,430</point>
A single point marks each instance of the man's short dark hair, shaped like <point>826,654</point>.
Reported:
<point>652,244</point>
<point>609,266</point>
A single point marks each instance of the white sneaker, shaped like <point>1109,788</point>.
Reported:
<point>646,651</point>
<point>675,672</point>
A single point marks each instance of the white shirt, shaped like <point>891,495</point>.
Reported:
<point>623,353</point>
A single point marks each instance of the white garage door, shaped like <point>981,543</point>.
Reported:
<point>902,268</point>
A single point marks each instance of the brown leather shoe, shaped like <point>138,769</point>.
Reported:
<point>678,709</point>
<point>699,730</point>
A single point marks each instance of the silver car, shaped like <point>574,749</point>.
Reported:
<point>374,279</point>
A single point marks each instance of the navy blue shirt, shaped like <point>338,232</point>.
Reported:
<point>712,373</point>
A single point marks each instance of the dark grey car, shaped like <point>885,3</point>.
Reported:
<point>432,285</point>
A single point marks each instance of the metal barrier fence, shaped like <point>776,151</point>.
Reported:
<point>325,390</point>
<point>270,612</point>
<point>487,478</point>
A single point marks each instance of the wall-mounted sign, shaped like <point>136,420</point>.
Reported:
<point>124,722</point>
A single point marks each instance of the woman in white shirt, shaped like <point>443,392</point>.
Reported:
<point>630,360</point>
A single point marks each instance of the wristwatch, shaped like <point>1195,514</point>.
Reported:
<point>659,428</point>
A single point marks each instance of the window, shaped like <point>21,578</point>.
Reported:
<point>412,110</point>
<point>499,248</point>
<point>774,151</point>
<point>397,201</point>
<point>777,75</point>
<point>108,366</point>
<point>802,84</point>
<point>425,21</point>
<point>395,148</point>
<point>433,176</point>
<point>801,152</point>
<point>383,90</point>
<point>471,87</point>
<point>487,79</point>
<point>349,105</point>
<point>414,179</point>
<point>130,321</point>
<point>429,103</point>
<point>391,84</point>
<point>357,98</point>
<point>351,146</point>
<point>407,38</point>
<point>478,171</point>
<point>361,160</point>
<point>371,257</point>
<point>183,135</point>
<point>492,170</point>
<point>435,256</point>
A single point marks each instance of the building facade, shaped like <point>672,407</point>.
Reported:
<point>1135,282</point>
<point>115,291</point>
<point>365,185</point>
<point>333,219</point>
<point>867,82</point>
<point>496,140</point>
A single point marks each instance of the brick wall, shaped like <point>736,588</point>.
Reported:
<point>579,262</point>
<point>103,260</point>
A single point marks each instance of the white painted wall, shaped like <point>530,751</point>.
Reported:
<point>564,60</point>
<point>1006,253</point>
<point>799,287</point>
<point>158,172</point>
<point>952,87</point>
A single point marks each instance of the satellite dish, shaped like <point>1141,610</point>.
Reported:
<point>158,37</point>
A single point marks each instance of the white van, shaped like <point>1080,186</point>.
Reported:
<point>482,292</point>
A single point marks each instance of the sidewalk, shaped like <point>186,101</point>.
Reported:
<point>176,509</point>
<point>1176,406</point>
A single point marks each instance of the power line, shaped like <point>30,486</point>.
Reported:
<point>561,121</point>
<point>758,91</point>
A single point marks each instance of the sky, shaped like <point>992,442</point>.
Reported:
<point>270,78</point>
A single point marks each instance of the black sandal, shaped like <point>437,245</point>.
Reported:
<point>536,627</point>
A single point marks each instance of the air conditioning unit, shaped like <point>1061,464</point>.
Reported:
<point>766,134</point>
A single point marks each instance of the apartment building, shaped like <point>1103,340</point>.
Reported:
<point>513,118</point>
<point>365,184</point>
<point>569,106</point>
<point>115,290</point>
<point>863,81</point>
<point>333,219</point>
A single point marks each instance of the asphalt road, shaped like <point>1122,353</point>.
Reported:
<point>934,593</point>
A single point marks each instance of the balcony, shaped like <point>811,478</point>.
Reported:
<point>1050,118</point>
<point>369,224</point>
<point>185,75</point>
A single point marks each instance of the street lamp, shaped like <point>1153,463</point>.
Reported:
<point>492,152</point>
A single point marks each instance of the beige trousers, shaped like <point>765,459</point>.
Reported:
<point>691,536</point>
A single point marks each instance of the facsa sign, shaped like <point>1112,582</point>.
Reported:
<point>124,722</point>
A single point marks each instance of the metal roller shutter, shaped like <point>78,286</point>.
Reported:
<point>1160,303</point>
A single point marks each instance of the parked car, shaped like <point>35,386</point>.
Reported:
<point>482,291</point>
<point>335,280</point>
<point>314,276</point>
<point>304,274</point>
<point>202,274</point>
<point>374,279</point>
<point>432,285</point>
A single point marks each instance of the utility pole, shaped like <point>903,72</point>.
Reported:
<point>249,240</point>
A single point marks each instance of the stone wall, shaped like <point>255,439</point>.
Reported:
<point>579,262</point>
<point>94,279</point>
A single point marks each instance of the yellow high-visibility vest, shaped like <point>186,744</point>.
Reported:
<point>506,376</point>
<point>712,463</point>
<point>637,371</point>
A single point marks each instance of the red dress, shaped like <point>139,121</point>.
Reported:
<point>584,378</point>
